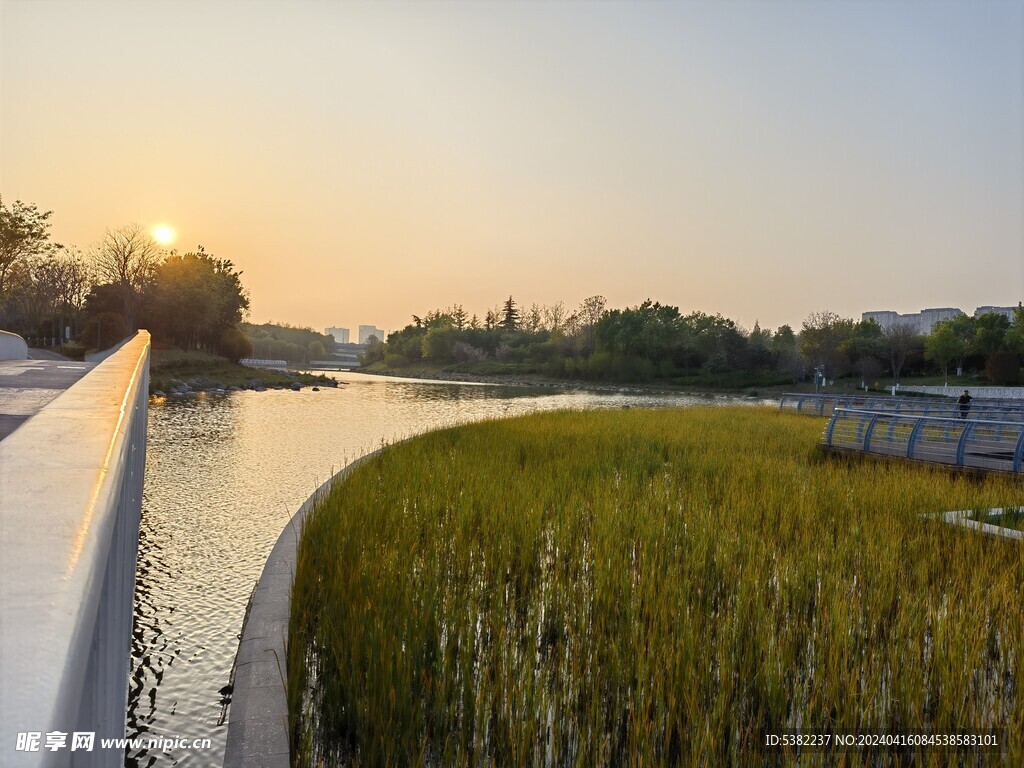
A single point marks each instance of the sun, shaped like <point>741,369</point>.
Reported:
<point>163,234</point>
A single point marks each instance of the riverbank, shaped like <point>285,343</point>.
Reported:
<point>536,380</point>
<point>737,385</point>
<point>176,371</point>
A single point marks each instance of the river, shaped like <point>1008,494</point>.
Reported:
<point>224,474</point>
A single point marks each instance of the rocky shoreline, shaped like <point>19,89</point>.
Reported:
<point>194,386</point>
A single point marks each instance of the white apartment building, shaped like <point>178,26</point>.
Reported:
<point>366,331</point>
<point>922,321</point>
<point>926,319</point>
<point>1007,311</point>
<point>340,334</point>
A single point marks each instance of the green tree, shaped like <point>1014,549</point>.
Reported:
<point>439,343</point>
<point>650,331</point>
<point>194,298</point>
<point>990,332</point>
<point>900,340</point>
<point>586,318</point>
<point>374,352</point>
<point>510,315</point>
<point>128,258</point>
<point>940,346</point>
<point>864,347</point>
<point>822,336</point>
<point>787,353</point>
<point>1015,336</point>
<point>24,234</point>
<point>234,345</point>
<point>459,317</point>
<point>964,330</point>
<point>759,348</point>
<point>490,320</point>
<point>316,350</point>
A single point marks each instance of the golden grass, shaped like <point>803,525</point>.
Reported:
<point>647,588</point>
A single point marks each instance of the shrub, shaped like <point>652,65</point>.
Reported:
<point>467,353</point>
<point>1003,368</point>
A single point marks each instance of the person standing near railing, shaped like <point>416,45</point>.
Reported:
<point>964,401</point>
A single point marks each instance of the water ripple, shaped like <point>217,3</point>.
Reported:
<point>224,474</point>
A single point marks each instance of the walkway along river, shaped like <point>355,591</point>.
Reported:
<point>224,474</point>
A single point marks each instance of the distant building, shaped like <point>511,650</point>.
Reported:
<point>340,334</point>
<point>884,318</point>
<point>366,331</point>
<point>929,317</point>
<point>1008,311</point>
<point>925,320</point>
<point>922,321</point>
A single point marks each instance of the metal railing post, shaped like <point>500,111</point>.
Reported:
<point>867,434</point>
<point>1018,454</point>
<point>961,446</point>
<point>912,440</point>
<point>832,425</point>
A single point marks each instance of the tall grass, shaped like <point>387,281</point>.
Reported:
<point>646,588</point>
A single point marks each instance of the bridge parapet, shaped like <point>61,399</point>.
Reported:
<point>70,500</point>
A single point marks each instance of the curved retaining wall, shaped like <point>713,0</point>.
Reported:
<point>12,346</point>
<point>258,718</point>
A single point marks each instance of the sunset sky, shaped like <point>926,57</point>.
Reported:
<point>361,162</point>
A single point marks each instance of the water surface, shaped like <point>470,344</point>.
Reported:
<point>224,475</point>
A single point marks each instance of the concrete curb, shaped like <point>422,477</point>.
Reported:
<point>963,518</point>
<point>258,717</point>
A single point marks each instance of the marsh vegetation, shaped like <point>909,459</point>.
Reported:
<point>646,588</point>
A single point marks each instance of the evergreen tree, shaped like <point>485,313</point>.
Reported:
<point>510,315</point>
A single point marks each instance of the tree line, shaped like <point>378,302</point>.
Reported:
<point>654,341</point>
<point>281,341</point>
<point>51,293</point>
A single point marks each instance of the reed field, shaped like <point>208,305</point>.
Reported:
<point>646,588</point>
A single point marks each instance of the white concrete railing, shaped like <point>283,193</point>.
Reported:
<point>1003,393</point>
<point>70,501</point>
<point>12,346</point>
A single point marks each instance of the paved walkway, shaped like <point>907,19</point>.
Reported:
<point>28,385</point>
<point>45,354</point>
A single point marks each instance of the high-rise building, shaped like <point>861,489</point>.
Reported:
<point>925,320</point>
<point>1007,311</point>
<point>366,331</point>
<point>340,334</point>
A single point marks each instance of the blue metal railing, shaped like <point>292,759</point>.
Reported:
<point>971,442</point>
<point>825,404</point>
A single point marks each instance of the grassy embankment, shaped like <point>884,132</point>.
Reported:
<point>647,588</point>
<point>175,366</point>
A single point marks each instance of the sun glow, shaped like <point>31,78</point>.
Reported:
<point>163,234</point>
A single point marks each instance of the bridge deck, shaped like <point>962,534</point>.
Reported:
<point>27,385</point>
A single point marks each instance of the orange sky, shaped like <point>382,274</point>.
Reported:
<point>361,162</point>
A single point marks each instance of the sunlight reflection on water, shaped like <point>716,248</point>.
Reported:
<point>224,474</point>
